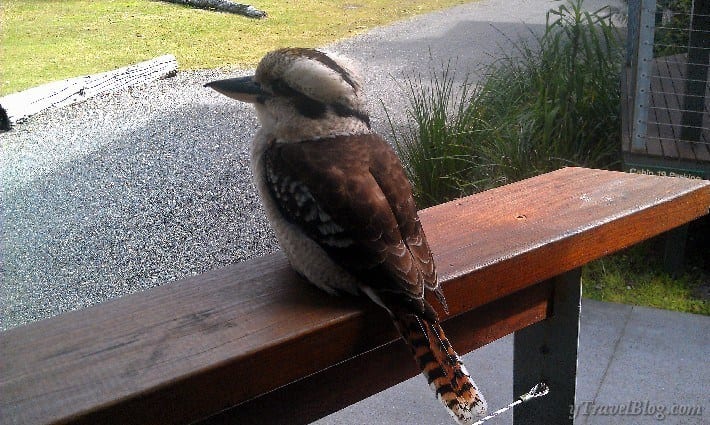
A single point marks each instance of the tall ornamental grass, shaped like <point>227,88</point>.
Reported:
<point>550,103</point>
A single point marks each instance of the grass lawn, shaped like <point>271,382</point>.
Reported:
<point>636,276</point>
<point>47,40</point>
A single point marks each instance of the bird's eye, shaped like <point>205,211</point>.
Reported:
<point>280,87</point>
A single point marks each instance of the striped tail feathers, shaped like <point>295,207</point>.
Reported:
<point>441,366</point>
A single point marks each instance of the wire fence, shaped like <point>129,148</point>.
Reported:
<point>668,54</point>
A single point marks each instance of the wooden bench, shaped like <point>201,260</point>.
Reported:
<point>231,344</point>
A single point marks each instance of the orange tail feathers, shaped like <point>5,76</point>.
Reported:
<point>442,367</point>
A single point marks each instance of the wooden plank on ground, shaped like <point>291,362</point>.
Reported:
<point>20,106</point>
<point>186,350</point>
<point>697,72</point>
<point>224,6</point>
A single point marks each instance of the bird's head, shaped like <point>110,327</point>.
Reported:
<point>302,94</point>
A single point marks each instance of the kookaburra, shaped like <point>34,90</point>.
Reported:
<point>341,206</point>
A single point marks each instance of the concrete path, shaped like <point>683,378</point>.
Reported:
<point>651,361</point>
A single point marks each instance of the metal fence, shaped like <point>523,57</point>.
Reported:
<point>668,51</point>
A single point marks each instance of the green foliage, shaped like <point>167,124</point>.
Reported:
<point>672,24</point>
<point>439,144</point>
<point>542,107</point>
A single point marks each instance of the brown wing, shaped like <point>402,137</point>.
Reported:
<point>351,196</point>
<point>388,172</point>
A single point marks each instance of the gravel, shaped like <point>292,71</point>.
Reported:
<point>125,192</point>
<point>138,188</point>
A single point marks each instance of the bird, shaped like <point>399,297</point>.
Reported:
<point>338,199</point>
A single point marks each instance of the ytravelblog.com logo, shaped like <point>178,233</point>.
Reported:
<point>634,408</point>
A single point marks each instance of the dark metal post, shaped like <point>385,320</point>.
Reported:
<point>547,351</point>
<point>674,251</point>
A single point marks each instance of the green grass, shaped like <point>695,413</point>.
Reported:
<point>608,280</point>
<point>554,103</point>
<point>550,103</point>
<point>47,40</point>
<point>636,276</point>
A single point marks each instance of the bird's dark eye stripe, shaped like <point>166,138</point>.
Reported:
<point>345,111</point>
<point>280,88</point>
<point>310,108</point>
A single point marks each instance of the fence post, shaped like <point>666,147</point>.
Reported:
<point>642,78</point>
<point>547,351</point>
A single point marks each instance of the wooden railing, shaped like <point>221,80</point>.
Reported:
<point>229,345</point>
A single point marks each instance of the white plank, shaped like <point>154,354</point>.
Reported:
<point>21,105</point>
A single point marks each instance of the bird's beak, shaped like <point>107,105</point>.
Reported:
<point>244,89</point>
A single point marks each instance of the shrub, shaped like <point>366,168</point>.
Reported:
<point>672,27</point>
<point>546,105</point>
